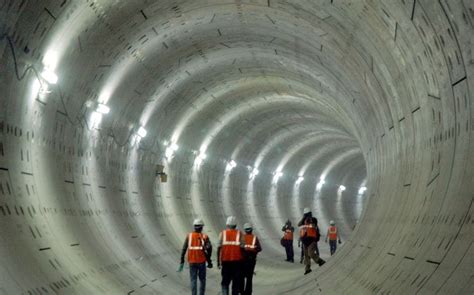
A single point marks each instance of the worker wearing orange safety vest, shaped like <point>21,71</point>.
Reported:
<point>309,234</point>
<point>251,249</point>
<point>199,250</point>
<point>333,236</point>
<point>230,257</point>
<point>287,241</point>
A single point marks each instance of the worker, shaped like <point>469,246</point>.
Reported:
<point>230,257</point>
<point>287,240</point>
<point>251,249</point>
<point>199,250</point>
<point>309,234</point>
<point>333,236</point>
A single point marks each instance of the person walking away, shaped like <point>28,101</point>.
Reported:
<point>251,249</point>
<point>230,257</point>
<point>309,234</point>
<point>287,240</point>
<point>199,250</point>
<point>333,236</point>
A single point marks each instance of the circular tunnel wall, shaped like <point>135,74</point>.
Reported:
<point>255,109</point>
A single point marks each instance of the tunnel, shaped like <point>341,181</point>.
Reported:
<point>123,121</point>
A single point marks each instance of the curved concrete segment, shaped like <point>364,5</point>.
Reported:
<point>256,108</point>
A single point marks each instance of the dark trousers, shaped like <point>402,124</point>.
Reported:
<point>231,272</point>
<point>333,246</point>
<point>302,252</point>
<point>249,268</point>
<point>198,270</point>
<point>288,244</point>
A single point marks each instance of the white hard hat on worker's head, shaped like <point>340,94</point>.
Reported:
<point>248,226</point>
<point>306,210</point>
<point>198,222</point>
<point>332,222</point>
<point>231,221</point>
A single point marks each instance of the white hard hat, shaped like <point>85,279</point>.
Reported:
<point>248,226</point>
<point>306,210</point>
<point>198,222</point>
<point>231,221</point>
<point>332,222</point>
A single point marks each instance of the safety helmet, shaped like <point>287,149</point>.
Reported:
<point>248,226</point>
<point>332,222</point>
<point>306,210</point>
<point>231,221</point>
<point>198,222</point>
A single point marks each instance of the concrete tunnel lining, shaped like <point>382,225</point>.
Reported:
<point>374,93</point>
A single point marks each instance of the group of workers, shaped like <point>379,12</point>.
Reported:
<point>308,240</point>
<point>237,252</point>
<point>236,257</point>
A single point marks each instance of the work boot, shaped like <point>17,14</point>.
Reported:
<point>321,262</point>
<point>307,271</point>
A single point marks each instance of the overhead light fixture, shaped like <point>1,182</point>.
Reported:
<point>95,119</point>
<point>362,190</point>
<point>102,108</point>
<point>300,179</point>
<point>49,76</point>
<point>277,175</point>
<point>169,152</point>
<point>320,183</point>
<point>141,132</point>
<point>342,188</point>
<point>200,158</point>
<point>253,173</point>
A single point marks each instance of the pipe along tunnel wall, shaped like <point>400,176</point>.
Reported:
<point>357,93</point>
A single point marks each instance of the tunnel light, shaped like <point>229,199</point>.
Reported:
<point>320,183</point>
<point>95,119</point>
<point>362,190</point>
<point>103,109</point>
<point>169,153</point>
<point>49,76</point>
<point>200,158</point>
<point>50,59</point>
<point>231,165</point>
<point>253,173</point>
<point>141,132</point>
<point>299,180</point>
<point>342,188</point>
<point>276,176</point>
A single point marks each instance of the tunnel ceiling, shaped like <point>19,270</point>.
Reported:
<point>255,108</point>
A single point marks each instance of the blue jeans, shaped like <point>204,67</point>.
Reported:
<point>333,246</point>
<point>198,270</point>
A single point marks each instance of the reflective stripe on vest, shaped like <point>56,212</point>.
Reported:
<point>234,243</point>
<point>250,241</point>
<point>196,248</point>
<point>231,250</point>
<point>333,233</point>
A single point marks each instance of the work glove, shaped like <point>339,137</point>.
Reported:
<point>180,268</point>
<point>218,264</point>
<point>340,241</point>
<point>209,264</point>
<point>326,240</point>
